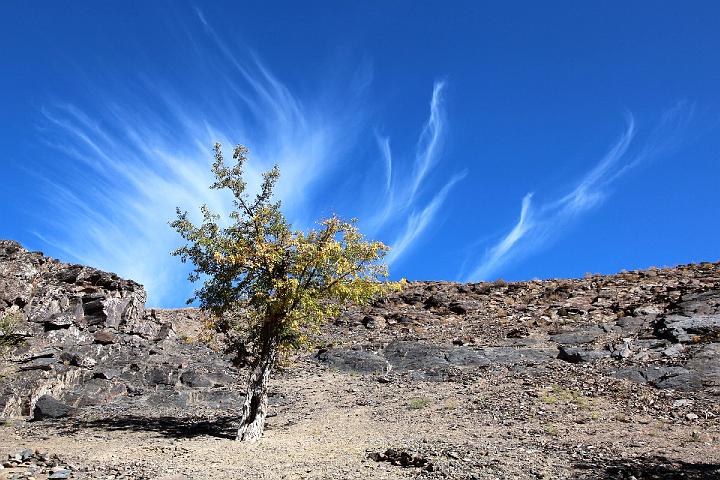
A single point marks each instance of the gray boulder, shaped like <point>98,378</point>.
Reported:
<point>580,355</point>
<point>586,335</point>
<point>347,360</point>
<point>50,407</point>
<point>695,319</point>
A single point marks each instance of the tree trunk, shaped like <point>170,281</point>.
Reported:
<point>254,409</point>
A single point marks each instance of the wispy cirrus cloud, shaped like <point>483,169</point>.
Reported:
<point>405,195</point>
<point>124,159</point>
<point>540,224</point>
<point>418,221</point>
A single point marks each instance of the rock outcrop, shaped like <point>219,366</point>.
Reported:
<point>79,337</point>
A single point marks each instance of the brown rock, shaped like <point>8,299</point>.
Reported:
<point>103,337</point>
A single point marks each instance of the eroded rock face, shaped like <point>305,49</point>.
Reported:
<point>695,319</point>
<point>82,337</point>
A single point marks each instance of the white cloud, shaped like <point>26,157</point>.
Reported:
<point>498,253</point>
<point>541,224</point>
<point>418,222</point>
<point>122,169</point>
<point>384,145</point>
<point>430,141</point>
<point>404,200</point>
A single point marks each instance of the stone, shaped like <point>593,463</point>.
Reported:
<point>60,320</point>
<point>60,304</point>
<point>674,350</point>
<point>579,355</point>
<point>401,458</point>
<point>40,364</point>
<point>32,355</point>
<point>676,378</point>
<point>632,325</point>
<point>435,301</point>
<point>427,362</point>
<point>406,355</point>
<point>623,350</point>
<point>152,363</point>
<point>194,379</point>
<point>221,379</point>
<point>95,391</point>
<point>412,297</point>
<point>60,474</point>
<point>162,375</point>
<point>461,308</point>
<point>500,356</point>
<point>166,331</point>
<point>517,333</point>
<point>695,319</point>
<point>373,322</point>
<point>218,399</point>
<point>103,337</point>
<point>79,358</point>
<point>106,373</point>
<point>353,360</point>
<point>49,407</point>
<point>632,374</point>
<point>705,362</point>
<point>587,335</point>
<point>682,402</point>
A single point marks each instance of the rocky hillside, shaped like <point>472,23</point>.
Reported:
<point>602,377</point>
<point>76,337</point>
<point>660,326</point>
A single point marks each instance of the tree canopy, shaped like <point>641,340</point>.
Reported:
<point>260,265</point>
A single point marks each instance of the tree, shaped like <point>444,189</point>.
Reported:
<point>282,284</point>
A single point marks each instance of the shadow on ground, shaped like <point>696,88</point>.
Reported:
<point>171,427</point>
<point>647,468</point>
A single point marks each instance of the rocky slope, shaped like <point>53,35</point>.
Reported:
<point>602,377</point>
<point>660,327</point>
<point>83,337</point>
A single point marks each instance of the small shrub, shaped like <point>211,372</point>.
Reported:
<point>552,430</point>
<point>566,396</point>
<point>451,404</point>
<point>418,403</point>
<point>9,323</point>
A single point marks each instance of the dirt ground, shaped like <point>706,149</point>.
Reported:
<point>327,424</point>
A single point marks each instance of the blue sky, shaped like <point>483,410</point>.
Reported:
<point>513,140</point>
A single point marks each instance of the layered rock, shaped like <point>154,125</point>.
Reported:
<point>80,337</point>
